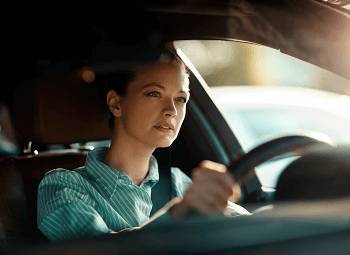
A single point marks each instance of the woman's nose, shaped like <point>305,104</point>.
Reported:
<point>170,109</point>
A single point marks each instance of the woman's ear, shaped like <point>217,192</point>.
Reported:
<point>113,102</point>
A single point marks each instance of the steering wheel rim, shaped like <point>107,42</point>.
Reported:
<point>298,144</point>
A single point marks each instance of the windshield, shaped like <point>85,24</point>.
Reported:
<point>262,93</point>
<point>227,63</point>
<point>255,124</point>
<point>260,111</point>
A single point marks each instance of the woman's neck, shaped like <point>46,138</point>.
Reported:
<point>130,158</point>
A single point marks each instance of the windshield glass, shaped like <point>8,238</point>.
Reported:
<point>263,93</point>
<point>255,114</point>
<point>254,124</point>
<point>223,63</point>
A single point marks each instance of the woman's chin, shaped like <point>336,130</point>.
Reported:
<point>166,142</point>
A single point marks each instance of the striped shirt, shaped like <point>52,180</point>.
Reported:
<point>97,199</point>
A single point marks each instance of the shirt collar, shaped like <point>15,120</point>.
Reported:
<point>109,177</point>
<point>153,172</point>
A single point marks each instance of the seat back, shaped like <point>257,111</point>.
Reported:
<point>19,181</point>
<point>62,109</point>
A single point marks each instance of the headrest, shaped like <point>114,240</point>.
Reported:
<point>322,173</point>
<point>61,110</point>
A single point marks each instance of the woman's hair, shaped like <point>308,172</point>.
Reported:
<point>120,81</point>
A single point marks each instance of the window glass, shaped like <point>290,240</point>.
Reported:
<point>263,93</point>
<point>227,63</point>
<point>244,79</point>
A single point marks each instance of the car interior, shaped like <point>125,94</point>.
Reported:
<point>47,118</point>
<point>53,105</point>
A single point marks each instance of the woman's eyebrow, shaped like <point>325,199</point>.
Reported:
<point>184,92</point>
<point>161,87</point>
<point>153,85</point>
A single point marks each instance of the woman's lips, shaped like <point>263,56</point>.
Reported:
<point>165,127</point>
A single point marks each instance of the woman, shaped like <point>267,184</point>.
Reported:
<point>112,191</point>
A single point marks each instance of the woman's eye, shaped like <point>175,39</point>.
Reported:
<point>182,100</point>
<point>154,94</point>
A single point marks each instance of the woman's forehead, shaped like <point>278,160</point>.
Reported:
<point>164,74</point>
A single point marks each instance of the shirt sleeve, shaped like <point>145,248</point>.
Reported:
<point>63,211</point>
<point>235,210</point>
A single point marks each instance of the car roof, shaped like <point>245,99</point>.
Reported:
<point>311,30</point>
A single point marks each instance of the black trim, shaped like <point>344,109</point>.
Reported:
<point>161,191</point>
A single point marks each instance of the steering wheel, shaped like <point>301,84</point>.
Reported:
<point>242,168</point>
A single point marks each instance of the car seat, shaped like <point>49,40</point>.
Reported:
<point>56,110</point>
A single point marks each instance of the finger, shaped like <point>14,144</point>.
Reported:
<point>207,164</point>
<point>235,196</point>
<point>205,178</point>
<point>204,188</point>
<point>217,200</point>
<point>195,172</point>
<point>206,206</point>
<point>224,180</point>
<point>213,205</point>
<point>212,194</point>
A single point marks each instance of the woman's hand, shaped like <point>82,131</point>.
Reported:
<point>208,195</point>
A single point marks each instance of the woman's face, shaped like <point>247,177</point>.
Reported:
<point>154,107</point>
